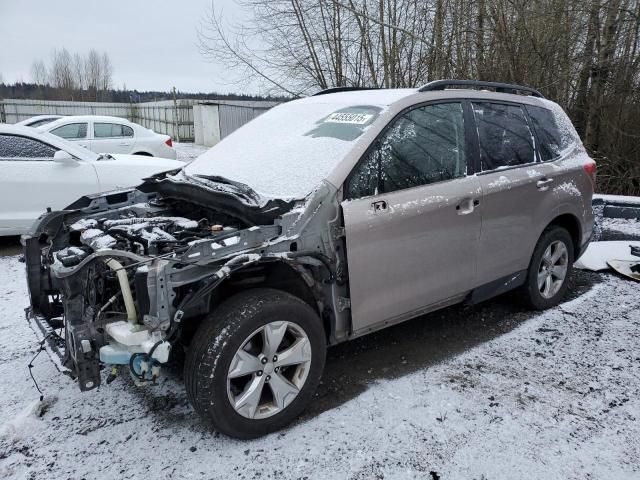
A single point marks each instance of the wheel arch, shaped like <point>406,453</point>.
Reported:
<point>143,153</point>
<point>569,222</point>
<point>290,277</point>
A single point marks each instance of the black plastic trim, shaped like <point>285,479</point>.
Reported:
<point>498,87</point>
<point>327,91</point>
<point>498,287</point>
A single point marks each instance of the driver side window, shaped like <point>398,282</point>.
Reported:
<point>423,146</point>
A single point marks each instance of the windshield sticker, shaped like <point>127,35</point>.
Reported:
<point>350,118</point>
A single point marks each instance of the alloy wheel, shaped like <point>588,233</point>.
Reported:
<point>269,370</point>
<point>553,269</point>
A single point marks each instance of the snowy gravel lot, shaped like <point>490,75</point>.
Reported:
<point>188,151</point>
<point>485,392</point>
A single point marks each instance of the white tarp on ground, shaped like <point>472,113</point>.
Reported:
<point>598,253</point>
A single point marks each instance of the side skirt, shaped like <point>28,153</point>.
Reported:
<point>498,287</point>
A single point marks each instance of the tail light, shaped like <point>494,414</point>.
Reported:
<point>169,142</point>
<point>590,169</point>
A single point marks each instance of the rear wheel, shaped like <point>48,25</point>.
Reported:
<point>255,362</point>
<point>550,268</point>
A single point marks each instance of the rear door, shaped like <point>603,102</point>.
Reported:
<point>411,218</point>
<point>112,138</point>
<point>33,181</point>
<point>517,189</point>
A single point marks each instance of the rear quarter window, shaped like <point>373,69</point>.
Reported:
<point>550,140</point>
<point>567,136</point>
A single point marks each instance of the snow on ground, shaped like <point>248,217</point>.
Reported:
<point>555,395</point>
<point>187,152</point>
<point>620,225</point>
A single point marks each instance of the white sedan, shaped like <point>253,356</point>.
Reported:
<point>102,134</point>
<point>40,171</point>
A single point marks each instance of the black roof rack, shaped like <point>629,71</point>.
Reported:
<point>499,87</point>
<point>341,89</point>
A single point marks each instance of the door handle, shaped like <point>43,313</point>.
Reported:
<point>124,144</point>
<point>379,206</point>
<point>544,184</point>
<point>467,206</point>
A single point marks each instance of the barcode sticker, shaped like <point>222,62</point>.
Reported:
<point>352,118</point>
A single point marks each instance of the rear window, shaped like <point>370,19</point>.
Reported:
<point>42,121</point>
<point>72,131</point>
<point>111,130</point>
<point>505,137</point>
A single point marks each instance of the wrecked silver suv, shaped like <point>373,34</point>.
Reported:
<point>322,220</point>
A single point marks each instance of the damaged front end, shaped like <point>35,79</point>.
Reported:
<point>121,274</point>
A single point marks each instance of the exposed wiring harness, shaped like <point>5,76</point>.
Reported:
<point>30,364</point>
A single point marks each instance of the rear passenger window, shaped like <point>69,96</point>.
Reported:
<point>505,137</point>
<point>423,146</point>
<point>73,131</point>
<point>111,130</point>
<point>14,146</point>
<point>549,138</point>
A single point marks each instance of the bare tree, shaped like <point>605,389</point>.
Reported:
<point>39,74</point>
<point>93,72</point>
<point>583,54</point>
<point>79,71</point>
<point>61,72</point>
<point>106,70</point>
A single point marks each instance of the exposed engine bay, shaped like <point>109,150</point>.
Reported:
<point>125,273</point>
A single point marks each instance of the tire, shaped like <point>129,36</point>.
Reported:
<point>538,297</point>
<point>244,321</point>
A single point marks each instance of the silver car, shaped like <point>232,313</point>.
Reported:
<point>322,220</point>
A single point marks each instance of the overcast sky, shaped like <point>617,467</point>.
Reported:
<point>152,43</point>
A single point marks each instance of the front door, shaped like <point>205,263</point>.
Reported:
<point>412,218</point>
<point>33,181</point>
<point>77,133</point>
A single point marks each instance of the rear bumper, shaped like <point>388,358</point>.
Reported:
<point>584,245</point>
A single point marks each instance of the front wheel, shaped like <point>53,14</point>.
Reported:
<point>550,268</point>
<point>255,362</point>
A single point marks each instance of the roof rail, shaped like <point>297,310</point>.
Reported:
<point>499,87</point>
<point>341,89</point>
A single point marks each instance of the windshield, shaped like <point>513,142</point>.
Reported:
<point>287,151</point>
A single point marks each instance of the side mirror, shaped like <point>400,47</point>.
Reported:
<point>63,157</point>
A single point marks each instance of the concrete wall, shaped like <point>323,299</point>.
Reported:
<point>206,123</point>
